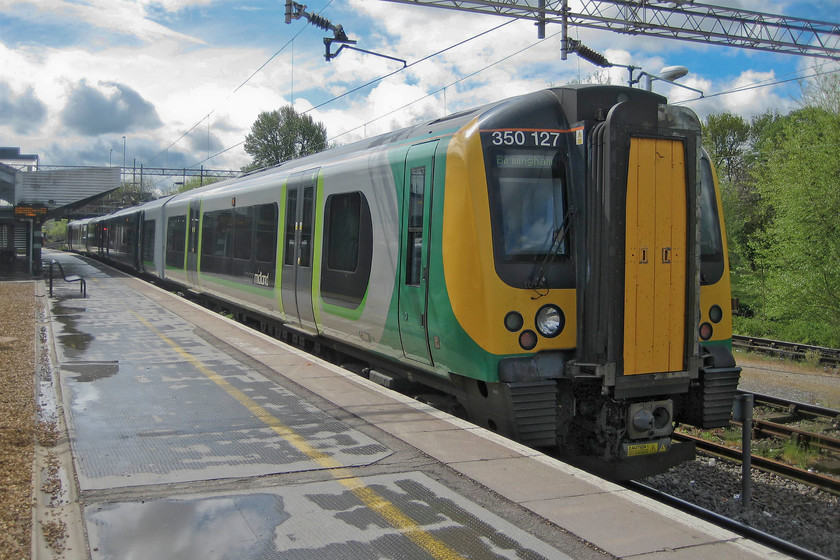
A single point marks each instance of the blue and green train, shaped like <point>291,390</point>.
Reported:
<point>553,265</point>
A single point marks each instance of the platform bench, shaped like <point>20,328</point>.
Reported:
<point>71,278</point>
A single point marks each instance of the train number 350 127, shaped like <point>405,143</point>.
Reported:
<point>539,138</point>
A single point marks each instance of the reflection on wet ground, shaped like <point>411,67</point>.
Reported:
<point>313,521</point>
<point>91,371</point>
<point>237,526</point>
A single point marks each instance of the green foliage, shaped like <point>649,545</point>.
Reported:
<point>725,137</point>
<point>780,187</point>
<point>801,252</point>
<point>281,135</point>
<point>799,454</point>
<point>54,231</point>
<point>193,183</point>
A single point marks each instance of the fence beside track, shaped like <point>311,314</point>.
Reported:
<point>793,350</point>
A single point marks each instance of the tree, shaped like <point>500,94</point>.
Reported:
<point>193,183</point>
<point>801,254</point>
<point>823,91</point>
<point>726,137</point>
<point>281,135</point>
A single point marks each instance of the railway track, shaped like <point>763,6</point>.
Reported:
<point>771,541</point>
<point>763,428</point>
<point>792,350</point>
<point>827,483</point>
<point>797,408</point>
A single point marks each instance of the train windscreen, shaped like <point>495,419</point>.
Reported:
<point>527,198</point>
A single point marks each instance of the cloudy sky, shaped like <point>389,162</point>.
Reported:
<point>183,80</point>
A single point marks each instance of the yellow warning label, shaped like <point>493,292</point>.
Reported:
<point>646,449</point>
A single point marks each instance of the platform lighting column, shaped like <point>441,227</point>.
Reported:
<point>122,171</point>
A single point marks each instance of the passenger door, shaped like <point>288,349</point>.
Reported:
<point>655,267</point>
<point>296,283</point>
<point>414,260</point>
<point>193,231</point>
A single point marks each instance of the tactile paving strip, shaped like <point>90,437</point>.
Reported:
<point>140,413</point>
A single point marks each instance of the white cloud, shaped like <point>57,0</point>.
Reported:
<point>122,17</point>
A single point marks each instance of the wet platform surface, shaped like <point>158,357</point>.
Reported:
<point>194,437</point>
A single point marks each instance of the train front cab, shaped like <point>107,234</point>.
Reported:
<point>595,326</point>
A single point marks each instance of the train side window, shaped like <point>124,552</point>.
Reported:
<point>306,227</point>
<point>148,252</point>
<point>176,238</point>
<point>342,213</point>
<point>711,245</point>
<point>266,233</point>
<point>242,232</point>
<point>291,226</point>
<point>208,234</point>
<point>348,249</point>
<point>414,262</point>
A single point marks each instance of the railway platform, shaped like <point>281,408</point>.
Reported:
<point>190,436</point>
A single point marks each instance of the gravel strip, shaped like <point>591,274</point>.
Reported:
<point>17,416</point>
<point>791,511</point>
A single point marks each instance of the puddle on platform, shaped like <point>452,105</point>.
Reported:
<point>91,371</point>
<point>219,527</point>
<point>75,344</point>
<point>59,308</point>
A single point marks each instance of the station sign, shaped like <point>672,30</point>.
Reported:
<point>28,211</point>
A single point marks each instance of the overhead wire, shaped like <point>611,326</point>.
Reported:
<point>432,55</point>
<point>240,86</point>
<point>379,79</point>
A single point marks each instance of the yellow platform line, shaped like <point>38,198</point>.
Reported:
<point>382,507</point>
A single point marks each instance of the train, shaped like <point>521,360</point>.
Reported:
<point>551,266</point>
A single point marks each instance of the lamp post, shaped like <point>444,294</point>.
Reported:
<point>669,74</point>
<point>122,171</point>
<point>110,153</point>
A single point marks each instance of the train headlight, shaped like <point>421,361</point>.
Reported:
<point>706,331</point>
<point>550,321</point>
<point>513,321</point>
<point>716,314</point>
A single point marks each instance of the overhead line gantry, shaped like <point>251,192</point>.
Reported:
<point>683,20</point>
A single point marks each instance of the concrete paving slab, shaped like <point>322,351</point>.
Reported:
<point>314,521</point>
<point>737,549</point>
<point>543,481</point>
<point>397,418</point>
<point>456,445</point>
<point>622,527</point>
<point>338,390</point>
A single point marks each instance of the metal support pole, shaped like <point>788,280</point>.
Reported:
<point>541,21</point>
<point>743,413</point>
<point>564,35</point>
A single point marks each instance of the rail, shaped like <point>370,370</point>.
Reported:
<point>751,533</point>
<point>828,484</point>
<point>792,350</point>
<point>794,407</point>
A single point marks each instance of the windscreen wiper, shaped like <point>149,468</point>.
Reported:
<point>538,279</point>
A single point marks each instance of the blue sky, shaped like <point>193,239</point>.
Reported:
<point>78,75</point>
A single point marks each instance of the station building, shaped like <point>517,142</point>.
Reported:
<point>29,196</point>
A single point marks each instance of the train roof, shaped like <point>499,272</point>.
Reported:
<point>580,102</point>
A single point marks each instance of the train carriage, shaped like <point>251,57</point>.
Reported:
<point>555,263</point>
